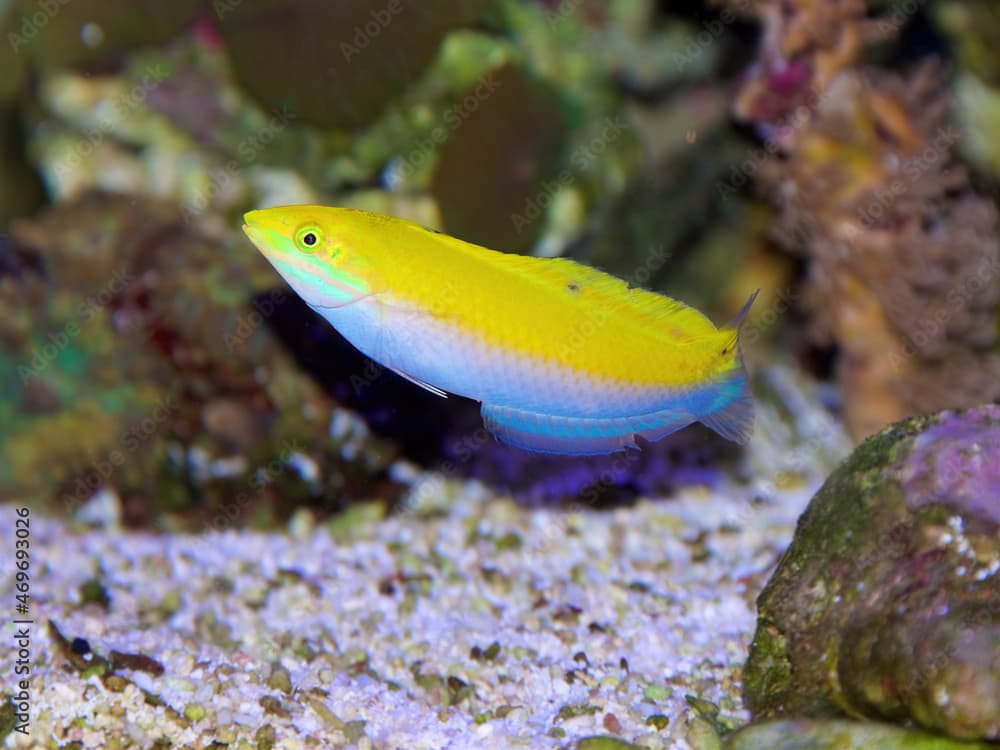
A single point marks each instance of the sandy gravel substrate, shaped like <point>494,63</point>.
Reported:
<point>379,634</point>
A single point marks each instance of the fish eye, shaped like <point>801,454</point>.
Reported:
<point>308,238</point>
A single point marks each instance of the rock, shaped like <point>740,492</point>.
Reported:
<point>341,62</point>
<point>839,735</point>
<point>887,602</point>
<point>604,742</point>
<point>20,189</point>
<point>138,359</point>
<point>87,31</point>
<point>498,196</point>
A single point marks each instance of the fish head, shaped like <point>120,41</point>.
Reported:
<point>311,247</point>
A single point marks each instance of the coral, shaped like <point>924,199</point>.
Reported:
<point>887,603</point>
<point>20,188</point>
<point>522,122</point>
<point>805,45</point>
<point>336,64</point>
<point>11,63</point>
<point>974,31</point>
<point>137,360</point>
<point>841,735</point>
<point>903,253</point>
<point>85,31</point>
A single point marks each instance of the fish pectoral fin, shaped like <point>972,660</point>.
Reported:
<point>397,309</point>
<point>426,386</point>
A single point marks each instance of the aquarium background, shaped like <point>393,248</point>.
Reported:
<point>838,156</point>
<point>225,527</point>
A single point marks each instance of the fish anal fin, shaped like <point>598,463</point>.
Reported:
<point>579,436</point>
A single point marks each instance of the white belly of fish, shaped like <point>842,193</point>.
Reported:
<point>432,351</point>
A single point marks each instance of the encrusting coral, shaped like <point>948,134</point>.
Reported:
<point>136,357</point>
<point>903,253</point>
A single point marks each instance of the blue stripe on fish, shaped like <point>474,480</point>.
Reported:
<point>722,406</point>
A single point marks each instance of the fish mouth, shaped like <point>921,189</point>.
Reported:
<point>270,244</point>
<point>257,234</point>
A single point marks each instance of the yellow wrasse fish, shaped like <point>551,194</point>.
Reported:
<point>563,358</point>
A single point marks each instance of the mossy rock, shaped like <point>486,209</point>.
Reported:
<point>500,166</point>
<point>887,602</point>
<point>336,63</point>
<point>20,188</point>
<point>58,33</point>
<point>840,735</point>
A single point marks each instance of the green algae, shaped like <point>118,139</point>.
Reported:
<point>280,679</point>
<point>92,591</point>
<point>490,653</point>
<point>658,721</point>
<point>195,712</point>
<point>96,354</point>
<point>605,742</point>
<point>895,522</point>
<point>841,735</point>
<point>8,718</point>
<point>85,31</point>
<point>350,60</point>
<point>571,711</point>
<point>95,665</point>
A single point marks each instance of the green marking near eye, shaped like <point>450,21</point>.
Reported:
<point>309,238</point>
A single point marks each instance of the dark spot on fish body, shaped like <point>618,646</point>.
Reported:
<point>573,287</point>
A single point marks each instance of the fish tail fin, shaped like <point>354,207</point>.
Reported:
<point>732,416</point>
<point>734,419</point>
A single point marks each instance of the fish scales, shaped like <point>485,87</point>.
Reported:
<point>563,358</point>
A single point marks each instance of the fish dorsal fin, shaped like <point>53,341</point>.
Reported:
<point>612,293</point>
<point>737,321</point>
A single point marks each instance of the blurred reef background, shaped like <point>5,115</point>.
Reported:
<point>841,156</point>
